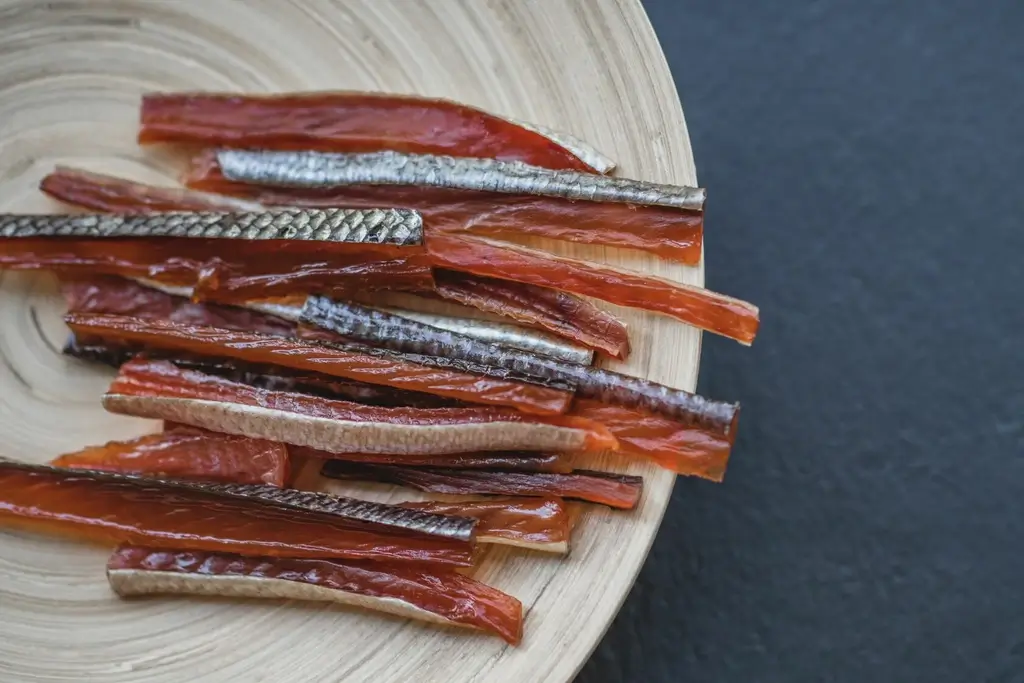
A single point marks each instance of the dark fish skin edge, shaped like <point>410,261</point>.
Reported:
<point>402,335</point>
<point>270,378</point>
<point>457,528</point>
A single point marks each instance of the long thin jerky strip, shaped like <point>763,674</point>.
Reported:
<point>272,378</point>
<point>358,122</point>
<point>684,449</point>
<point>408,336</point>
<point>101,192</point>
<point>400,227</point>
<point>693,305</point>
<point>614,490</point>
<point>118,296</point>
<point>230,265</point>
<point>665,231</point>
<point>425,593</point>
<point>351,362</point>
<point>188,454</point>
<point>323,169</point>
<point>561,313</point>
<point>112,508</point>
<point>525,461</point>
<point>161,390</point>
<point>534,523</point>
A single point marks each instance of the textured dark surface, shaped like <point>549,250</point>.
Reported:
<point>864,163</point>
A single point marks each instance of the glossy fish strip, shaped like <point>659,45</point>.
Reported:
<point>667,232</point>
<point>161,390</point>
<point>379,226</point>
<point>357,122</point>
<point>219,269</point>
<point>563,314</point>
<point>525,461</point>
<point>118,296</point>
<point>100,192</point>
<point>614,490</point>
<point>383,329</point>
<point>360,363</point>
<point>113,508</point>
<point>319,169</point>
<point>379,328</point>
<point>265,377</point>
<point>537,524</point>
<point>352,509</point>
<point>680,448</point>
<point>430,594</point>
<point>512,336</point>
<point>696,306</point>
<point>188,454</point>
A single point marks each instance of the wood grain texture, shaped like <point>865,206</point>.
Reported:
<point>70,81</point>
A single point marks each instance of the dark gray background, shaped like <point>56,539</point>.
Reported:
<point>864,166</point>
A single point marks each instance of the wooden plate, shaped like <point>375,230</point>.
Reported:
<point>70,80</point>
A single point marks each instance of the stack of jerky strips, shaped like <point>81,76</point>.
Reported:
<point>283,308</point>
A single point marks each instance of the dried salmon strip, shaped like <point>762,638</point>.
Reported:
<point>351,362</point>
<point>161,390</point>
<point>547,308</point>
<point>383,329</point>
<point>425,593</point>
<point>614,490</point>
<point>118,296</point>
<point>357,122</point>
<point>290,267</point>
<point>326,169</point>
<point>265,377</point>
<point>397,227</point>
<point>667,232</point>
<point>533,523</point>
<point>101,192</point>
<point>681,448</point>
<point>693,305</point>
<point>112,508</point>
<point>379,516</point>
<point>526,461</point>
<point>188,454</point>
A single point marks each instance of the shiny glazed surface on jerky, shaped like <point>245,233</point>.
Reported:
<point>614,490</point>
<point>142,377</point>
<point>667,232</point>
<point>235,271</point>
<point>101,192</point>
<point>675,446</point>
<point>345,122</point>
<point>110,508</point>
<point>390,331</point>
<point>447,594</point>
<point>118,296</point>
<point>540,521</point>
<point>693,305</point>
<point>559,312</point>
<point>188,454</point>
<point>314,357</point>
<point>527,461</point>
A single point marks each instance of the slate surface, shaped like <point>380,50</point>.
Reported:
<point>864,162</point>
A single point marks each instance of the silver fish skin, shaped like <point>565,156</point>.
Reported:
<point>503,334</point>
<point>404,519</point>
<point>372,326</point>
<point>400,227</point>
<point>323,169</point>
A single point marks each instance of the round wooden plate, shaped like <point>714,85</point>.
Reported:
<point>70,81</point>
